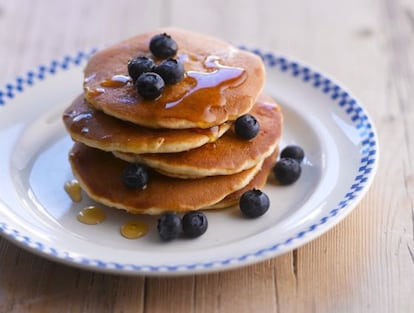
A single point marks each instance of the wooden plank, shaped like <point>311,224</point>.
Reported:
<point>250,289</point>
<point>357,266</point>
<point>173,295</point>
<point>33,284</point>
<point>398,28</point>
<point>365,264</point>
<point>34,33</point>
<point>347,43</point>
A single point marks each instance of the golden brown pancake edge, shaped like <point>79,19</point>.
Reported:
<point>96,129</point>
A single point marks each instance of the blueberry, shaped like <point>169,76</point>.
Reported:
<point>139,65</point>
<point>293,152</point>
<point>287,171</point>
<point>150,85</point>
<point>169,226</point>
<point>246,126</point>
<point>171,70</point>
<point>254,203</point>
<point>135,176</point>
<point>162,46</point>
<point>194,224</point>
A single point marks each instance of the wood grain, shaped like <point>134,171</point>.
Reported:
<point>364,264</point>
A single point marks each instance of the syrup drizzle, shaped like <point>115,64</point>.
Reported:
<point>73,189</point>
<point>82,116</point>
<point>94,92</point>
<point>214,80</point>
<point>196,98</point>
<point>116,81</point>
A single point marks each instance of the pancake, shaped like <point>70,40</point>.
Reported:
<point>257,182</point>
<point>228,155</point>
<point>98,130</point>
<point>99,174</point>
<point>220,84</point>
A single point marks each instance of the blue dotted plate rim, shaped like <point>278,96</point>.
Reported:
<point>361,183</point>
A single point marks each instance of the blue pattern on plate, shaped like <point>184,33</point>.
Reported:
<point>308,76</point>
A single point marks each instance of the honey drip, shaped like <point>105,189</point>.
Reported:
<point>94,92</point>
<point>208,85</point>
<point>116,81</point>
<point>134,229</point>
<point>82,116</point>
<point>91,215</point>
<point>74,190</point>
<point>201,92</point>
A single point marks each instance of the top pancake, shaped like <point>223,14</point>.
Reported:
<point>220,84</point>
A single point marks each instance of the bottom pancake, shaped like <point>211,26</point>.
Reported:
<point>100,176</point>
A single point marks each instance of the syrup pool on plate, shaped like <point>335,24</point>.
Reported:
<point>91,215</point>
<point>134,229</point>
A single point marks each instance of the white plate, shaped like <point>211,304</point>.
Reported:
<point>36,213</point>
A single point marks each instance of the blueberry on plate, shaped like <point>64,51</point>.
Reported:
<point>162,46</point>
<point>135,176</point>
<point>194,224</point>
<point>246,126</point>
<point>169,226</point>
<point>150,85</point>
<point>287,171</point>
<point>139,65</point>
<point>254,203</point>
<point>293,152</point>
<point>171,70</point>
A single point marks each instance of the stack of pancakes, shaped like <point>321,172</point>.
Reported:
<point>185,137</point>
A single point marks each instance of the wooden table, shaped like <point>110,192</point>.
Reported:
<point>365,264</point>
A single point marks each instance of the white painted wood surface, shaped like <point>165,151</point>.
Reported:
<point>365,264</point>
